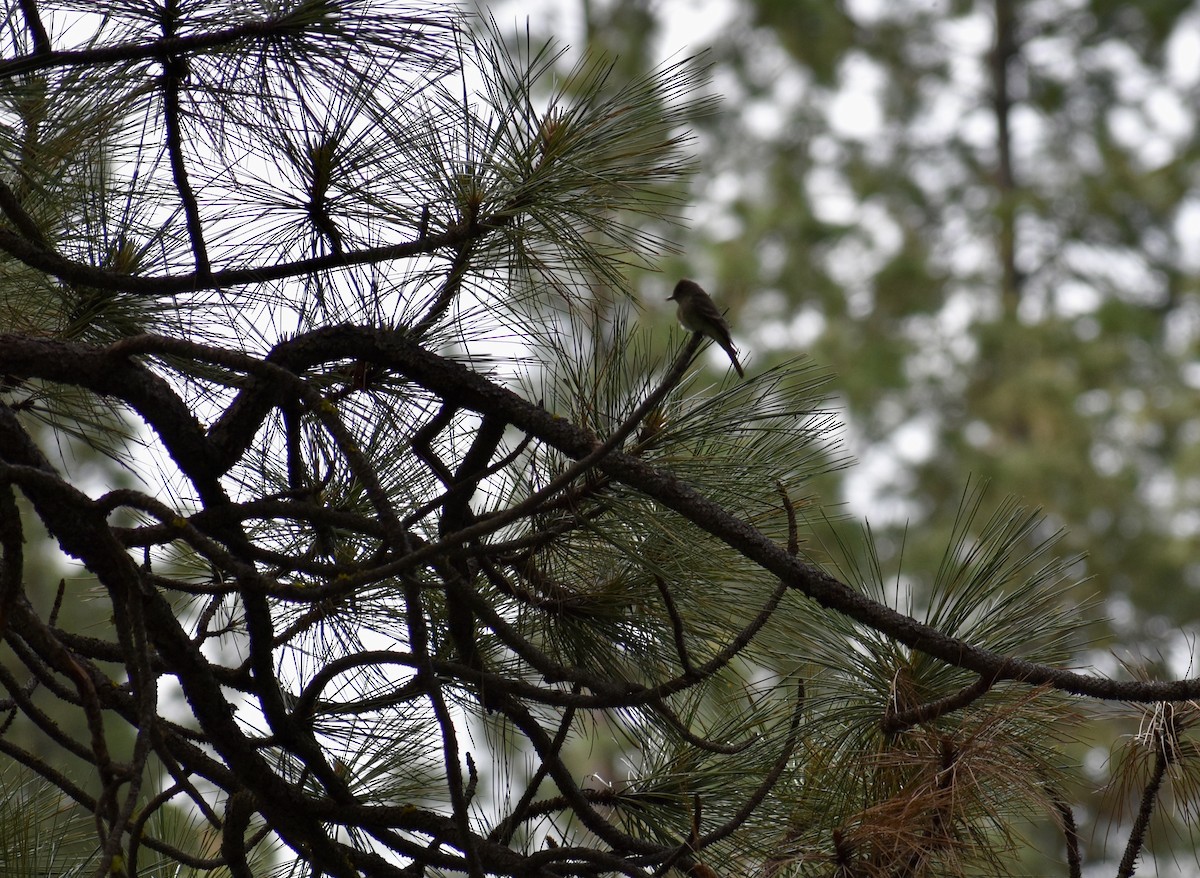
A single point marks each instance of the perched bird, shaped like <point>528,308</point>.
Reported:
<point>698,313</point>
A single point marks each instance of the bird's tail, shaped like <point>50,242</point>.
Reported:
<point>729,349</point>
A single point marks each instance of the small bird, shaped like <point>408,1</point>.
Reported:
<point>698,313</point>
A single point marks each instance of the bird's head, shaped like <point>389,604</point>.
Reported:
<point>685,289</point>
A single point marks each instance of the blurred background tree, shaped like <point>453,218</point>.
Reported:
<point>983,218</point>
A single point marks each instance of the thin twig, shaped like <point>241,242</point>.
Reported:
<point>898,720</point>
<point>174,73</point>
<point>1137,835</point>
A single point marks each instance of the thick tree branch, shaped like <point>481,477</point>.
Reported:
<point>97,57</point>
<point>95,368</point>
<point>167,285</point>
<point>454,381</point>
